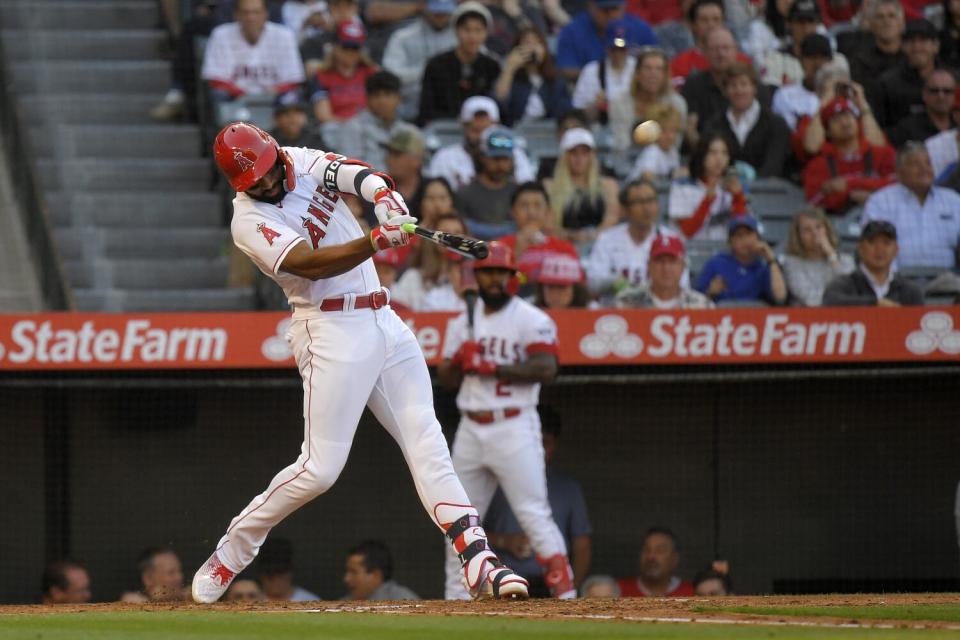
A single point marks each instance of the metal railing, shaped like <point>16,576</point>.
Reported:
<point>31,207</point>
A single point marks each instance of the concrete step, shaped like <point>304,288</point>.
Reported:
<point>241,299</point>
<point>128,174</point>
<point>77,244</point>
<point>136,274</point>
<point>87,15</point>
<point>46,44</point>
<point>130,141</point>
<point>138,210</point>
<point>88,108</point>
<point>122,77</point>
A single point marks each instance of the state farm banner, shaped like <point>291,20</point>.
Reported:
<point>62,341</point>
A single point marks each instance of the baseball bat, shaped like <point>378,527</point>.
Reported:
<point>468,247</point>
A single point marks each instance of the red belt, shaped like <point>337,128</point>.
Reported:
<point>489,417</point>
<point>375,300</point>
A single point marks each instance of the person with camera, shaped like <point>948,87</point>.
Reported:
<point>529,87</point>
<point>812,131</point>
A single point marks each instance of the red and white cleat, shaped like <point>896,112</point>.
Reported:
<point>211,581</point>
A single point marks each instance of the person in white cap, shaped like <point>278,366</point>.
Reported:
<point>457,162</point>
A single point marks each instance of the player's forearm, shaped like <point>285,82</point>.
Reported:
<point>327,262</point>
<point>540,368</point>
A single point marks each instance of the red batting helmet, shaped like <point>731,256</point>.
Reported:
<point>245,153</point>
<point>500,256</point>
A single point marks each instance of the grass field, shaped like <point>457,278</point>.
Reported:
<point>747,618</point>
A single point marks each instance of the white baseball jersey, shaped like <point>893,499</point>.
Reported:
<point>615,255</point>
<point>310,213</point>
<point>507,336</point>
<point>255,68</point>
<point>456,165</point>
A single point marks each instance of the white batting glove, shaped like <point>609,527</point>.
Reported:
<point>389,205</point>
<point>388,236</point>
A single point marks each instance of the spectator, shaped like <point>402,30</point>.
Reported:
<point>767,31</point>
<point>582,40</point>
<point>620,255</point>
<point>701,205</point>
<point>848,168</point>
<point>369,574</point>
<point>875,282</point>
<point>316,47</point>
<point>432,281</point>
<point>704,17</point>
<point>926,217</point>
<point>758,136</point>
<point>244,589</point>
<point>573,119</point>
<point>950,35</point>
<point>458,162</point>
<point>452,77</point>
<point>600,586</point>
<point>433,199</point>
<point>305,17</point>
<point>900,88</point>
<point>368,134</point>
<point>410,47</point>
<point>485,202</point>
<point>533,242</point>
<point>660,160</point>
<point>711,583</point>
<point>784,67</point>
<point>65,582</point>
<point>405,151</point>
<point>251,56</point>
<point>605,82</point>
<point>944,148</point>
<point>387,263</point>
<point>339,91</point>
<point>659,557</point>
<point>749,271</point>
<point>831,84</point>
<point>559,284</point>
<point>650,91</point>
<point>529,86</point>
<point>161,577</point>
<point>812,257</point>
<point>509,19</point>
<point>703,90</point>
<point>275,567</point>
<point>939,98</point>
<point>290,123</point>
<point>663,288</point>
<point>880,49</point>
<point>584,202</point>
<point>567,505</point>
<point>794,101</point>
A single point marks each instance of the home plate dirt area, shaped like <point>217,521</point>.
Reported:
<point>871,611</point>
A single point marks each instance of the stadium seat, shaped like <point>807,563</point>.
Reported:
<point>441,133</point>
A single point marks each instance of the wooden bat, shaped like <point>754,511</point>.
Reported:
<point>467,247</point>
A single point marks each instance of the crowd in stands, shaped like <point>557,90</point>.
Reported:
<point>513,120</point>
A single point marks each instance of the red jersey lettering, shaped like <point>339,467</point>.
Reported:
<point>267,233</point>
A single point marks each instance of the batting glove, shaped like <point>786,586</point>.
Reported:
<point>388,236</point>
<point>388,205</point>
<point>471,360</point>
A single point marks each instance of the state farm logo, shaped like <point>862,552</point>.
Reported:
<point>935,332</point>
<point>612,336</point>
<point>275,347</point>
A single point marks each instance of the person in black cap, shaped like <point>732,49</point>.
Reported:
<point>875,282</point>
<point>901,88</point>
<point>291,126</point>
<point>784,67</point>
<point>794,101</point>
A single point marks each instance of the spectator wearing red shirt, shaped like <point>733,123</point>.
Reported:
<point>704,17</point>
<point>848,168</point>
<point>659,558</point>
<point>532,243</point>
<point>340,84</point>
<point>655,12</point>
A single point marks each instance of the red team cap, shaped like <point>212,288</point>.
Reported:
<point>835,106</point>
<point>500,256</point>
<point>245,153</point>
<point>391,257</point>
<point>664,245</point>
<point>350,33</point>
<point>560,268</point>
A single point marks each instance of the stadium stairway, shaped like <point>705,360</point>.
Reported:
<point>129,202</point>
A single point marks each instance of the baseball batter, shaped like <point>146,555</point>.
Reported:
<point>351,348</point>
<point>499,355</point>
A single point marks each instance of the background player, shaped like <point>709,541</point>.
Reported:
<point>501,361</point>
<point>351,348</point>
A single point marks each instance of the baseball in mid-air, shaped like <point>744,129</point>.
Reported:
<point>646,132</point>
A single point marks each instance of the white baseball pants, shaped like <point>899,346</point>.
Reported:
<point>349,360</point>
<point>508,453</point>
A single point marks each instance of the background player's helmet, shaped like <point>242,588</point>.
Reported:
<point>500,256</point>
<point>245,153</point>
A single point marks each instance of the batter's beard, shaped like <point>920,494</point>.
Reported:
<point>494,301</point>
<point>281,194</point>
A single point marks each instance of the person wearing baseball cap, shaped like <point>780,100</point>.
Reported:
<point>457,163</point>
<point>485,201</point>
<point>785,67</point>
<point>451,77</point>
<point>560,283</point>
<point>798,100</point>
<point>875,283</point>
<point>339,86</point>
<point>604,81</point>
<point>848,168</point>
<point>748,272</point>
<point>664,288</point>
<point>900,89</point>
<point>583,39</point>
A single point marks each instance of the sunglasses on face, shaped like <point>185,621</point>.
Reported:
<point>941,90</point>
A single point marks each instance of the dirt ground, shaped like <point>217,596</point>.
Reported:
<point>636,609</point>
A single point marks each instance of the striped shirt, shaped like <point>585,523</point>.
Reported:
<point>928,233</point>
